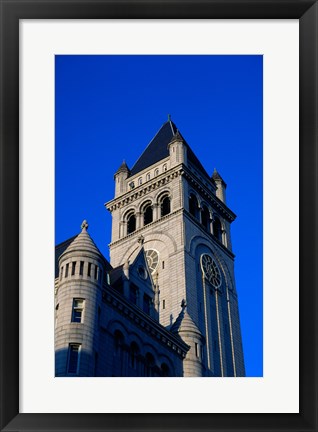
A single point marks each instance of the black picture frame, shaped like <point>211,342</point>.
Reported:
<point>11,12</point>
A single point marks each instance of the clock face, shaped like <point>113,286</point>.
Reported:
<point>211,270</point>
<point>152,259</point>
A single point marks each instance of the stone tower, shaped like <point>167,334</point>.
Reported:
<point>180,212</point>
<point>78,304</point>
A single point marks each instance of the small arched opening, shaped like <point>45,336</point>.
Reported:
<point>165,206</point>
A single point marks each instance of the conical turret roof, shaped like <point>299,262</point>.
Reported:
<point>216,176</point>
<point>123,168</point>
<point>83,243</point>
<point>184,324</point>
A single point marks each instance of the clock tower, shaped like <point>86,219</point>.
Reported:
<point>169,203</point>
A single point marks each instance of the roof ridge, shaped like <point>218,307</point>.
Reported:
<point>150,142</point>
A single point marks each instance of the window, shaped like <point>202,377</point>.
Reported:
<point>148,177</point>
<point>133,352</point>
<point>73,358</point>
<point>140,181</point>
<point>89,269</point>
<point>146,304</point>
<point>56,314</point>
<point>156,172</point>
<point>77,312</point>
<point>133,294</point>
<point>217,229</point>
<point>147,214</point>
<point>163,265</point>
<point>81,268</point>
<point>163,304</point>
<point>164,370</point>
<point>119,353</point>
<point>165,206</point>
<point>205,218</point>
<point>73,268</point>
<point>131,223</point>
<point>194,206</point>
<point>99,315</point>
<point>66,270</point>
<point>196,350</point>
<point>149,365</point>
<point>96,272</point>
<point>164,168</point>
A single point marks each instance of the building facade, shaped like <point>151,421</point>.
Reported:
<point>166,304</point>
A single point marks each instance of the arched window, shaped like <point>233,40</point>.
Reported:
<point>140,181</point>
<point>194,206</point>
<point>217,228</point>
<point>131,223</point>
<point>118,353</point>
<point>164,370</point>
<point>156,172</point>
<point>165,206</point>
<point>149,365</point>
<point>164,168</point>
<point>205,218</point>
<point>147,211</point>
<point>133,353</point>
<point>148,177</point>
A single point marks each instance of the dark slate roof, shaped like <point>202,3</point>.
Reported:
<point>157,149</point>
<point>59,249</point>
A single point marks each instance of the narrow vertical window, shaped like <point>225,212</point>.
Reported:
<point>146,304</point>
<point>133,294</point>
<point>66,270</point>
<point>163,304</point>
<point>73,358</point>
<point>196,349</point>
<point>148,214</point>
<point>77,311</point>
<point>165,206</point>
<point>56,314</point>
<point>131,223</point>
<point>89,269</point>
<point>73,267</point>
<point>99,315</point>
<point>61,275</point>
<point>81,268</point>
<point>96,272</point>
<point>163,265</point>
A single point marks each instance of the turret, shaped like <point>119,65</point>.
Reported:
<point>78,307</point>
<point>220,186</point>
<point>177,150</point>
<point>185,327</point>
<point>120,178</point>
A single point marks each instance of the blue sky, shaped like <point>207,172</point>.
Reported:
<point>108,108</point>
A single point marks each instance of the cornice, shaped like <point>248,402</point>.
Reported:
<point>145,322</point>
<point>144,189</point>
<point>216,203</point>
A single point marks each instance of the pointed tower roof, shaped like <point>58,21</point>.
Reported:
<point>123,168</point>
<point>83,242</point>
<point>184,324</point>
<point>216,176</point>
<point>157,149</point>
